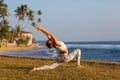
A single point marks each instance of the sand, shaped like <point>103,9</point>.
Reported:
<point>7,49</point>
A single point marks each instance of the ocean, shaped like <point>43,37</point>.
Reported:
<point>92,50</point>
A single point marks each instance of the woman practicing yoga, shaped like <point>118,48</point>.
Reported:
<point>63,56</point>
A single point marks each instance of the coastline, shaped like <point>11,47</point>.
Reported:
<point>33,46</point>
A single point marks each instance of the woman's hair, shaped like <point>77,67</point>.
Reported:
<point>49,43</point>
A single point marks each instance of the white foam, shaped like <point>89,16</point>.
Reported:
<point>93,45</point>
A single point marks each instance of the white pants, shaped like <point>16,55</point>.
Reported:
<point>63,58</point>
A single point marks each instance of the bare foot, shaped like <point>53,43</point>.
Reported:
<point>79,66</point>
<point>34,69</point>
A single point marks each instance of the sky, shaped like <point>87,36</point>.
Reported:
<point>74,20</point>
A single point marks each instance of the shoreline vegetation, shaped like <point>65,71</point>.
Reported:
<point>18,48</point>
<point>18,68</point>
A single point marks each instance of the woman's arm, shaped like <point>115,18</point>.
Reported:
<point>48,34</point>
<point>44,31</point>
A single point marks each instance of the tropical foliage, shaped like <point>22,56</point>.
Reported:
<point>0,45</point>
<point>24,15</point>
<point>22,41</point>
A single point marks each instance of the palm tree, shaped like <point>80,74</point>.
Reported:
<point>12,35</point>
<point>18,13</point>
<point>30,15</point>
<point>5,22</point>
<point>2,4</point>
<point>18,31</point>
<point>4,32</point>
<point>33,24</point>
<point>21,12</point>
<point>4,29</point>
<point>4,13</point>
<point>3,10</point>
<point>39,13</point>
<point>23,9</point>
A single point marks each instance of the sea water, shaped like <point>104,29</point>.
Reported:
<point>92,50</point>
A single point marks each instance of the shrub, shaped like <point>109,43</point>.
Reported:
<point>22,42</point>
<point>0,45</point>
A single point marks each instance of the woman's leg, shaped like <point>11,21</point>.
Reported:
<point>51,66</point>
<point>56,63</point>
<point>76,52</point>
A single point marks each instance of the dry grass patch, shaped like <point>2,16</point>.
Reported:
<point>17,68</point>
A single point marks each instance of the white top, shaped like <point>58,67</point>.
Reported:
<point>62,48</point>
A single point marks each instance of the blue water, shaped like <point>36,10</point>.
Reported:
<point>99,50</point>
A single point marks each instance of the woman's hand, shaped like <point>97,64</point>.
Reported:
<point>47,33</point>
<point>38,27</point>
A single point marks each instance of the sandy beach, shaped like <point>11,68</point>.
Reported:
<point>7,49</point>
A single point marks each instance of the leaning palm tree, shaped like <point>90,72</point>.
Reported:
<point>30,16</point>
<point>33,24</point>
<point>39,13</point>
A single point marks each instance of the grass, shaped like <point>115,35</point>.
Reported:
<point>18,68</point>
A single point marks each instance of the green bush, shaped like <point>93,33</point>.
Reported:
<point>22,42</point>
<point>0,46</point>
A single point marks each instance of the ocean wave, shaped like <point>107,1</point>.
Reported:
<point>92,46</point>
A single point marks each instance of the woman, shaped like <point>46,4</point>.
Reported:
<point>52,42</point>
